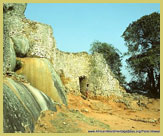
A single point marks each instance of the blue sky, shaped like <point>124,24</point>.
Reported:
<point>76,26</point>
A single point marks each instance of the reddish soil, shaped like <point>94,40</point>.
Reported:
<point>116,114</point>
<point>111,113</point>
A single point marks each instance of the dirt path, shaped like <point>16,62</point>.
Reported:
<point>84,115</point>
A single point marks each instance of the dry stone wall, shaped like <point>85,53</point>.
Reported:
<point>81,72</point>
<point>70,67</point>
<point>101,80</point>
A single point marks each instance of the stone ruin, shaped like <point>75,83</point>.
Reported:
<point>32,39</point>
<point>32,62</point>
<point>81,71</point>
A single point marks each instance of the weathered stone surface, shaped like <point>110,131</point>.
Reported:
<point>41,74</point>
<point>21,45</point>
<point>16,9</point>
<point>41,40</point>
<point>15,115</point>
<point>9,59</point>
<point>29,38</point>
<point>101,79</point>
<point>12,15</point>
<point>22,105</point>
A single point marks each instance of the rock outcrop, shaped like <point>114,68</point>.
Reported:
<point>41,74</point>
<point>22,106</point>
<point>24,102</point>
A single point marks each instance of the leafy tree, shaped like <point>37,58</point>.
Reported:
<point>142,38</point>
<point>112,57</point>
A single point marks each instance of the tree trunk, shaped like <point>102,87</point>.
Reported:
<point>158,85</point>
<point>153,89</point>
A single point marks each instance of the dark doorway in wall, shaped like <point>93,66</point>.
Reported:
<point>83,84</point>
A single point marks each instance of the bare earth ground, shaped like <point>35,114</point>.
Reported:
<point>87,115</point>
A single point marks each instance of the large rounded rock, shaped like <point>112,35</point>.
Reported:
<point>21,45</point>
<point>12,14</point>
<point>41,74</point>
<point>9,56</point>
<point>22,105</point>
<point>15,115</point>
